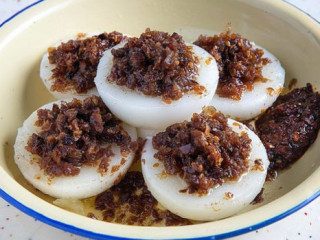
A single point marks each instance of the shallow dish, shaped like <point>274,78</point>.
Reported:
<point>285,31</point>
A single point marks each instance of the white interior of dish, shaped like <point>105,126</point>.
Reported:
<point>289,34</point>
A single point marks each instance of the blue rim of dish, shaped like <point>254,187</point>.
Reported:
<point>99,236</point>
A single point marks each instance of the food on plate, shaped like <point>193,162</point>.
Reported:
<point>74,149</point>
<point>156,80</point>
<point>290,126</point>
<point>69,68</point>
<point>205,169</point>
<point>250,77</point>
<point>130,202</point>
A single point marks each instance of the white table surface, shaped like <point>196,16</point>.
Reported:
<point>304,224</point>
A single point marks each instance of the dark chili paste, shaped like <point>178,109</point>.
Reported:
<point>204,151</point>
<point>290,126</point>
<point>76,61</point>
<point>239,64</point>
<point>76,134</point>
<point>130,202</point>
<point>156,64</point>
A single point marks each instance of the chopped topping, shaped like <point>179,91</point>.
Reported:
<point>239,63</point>
<point>259,198</point>
<point>249,123</point>
<point>156,64</point>
<point>137,157</point>
<point>130,202</point>
<point>76,61</point>
<point>75,134</point>
<point>258,165</point>
<point>290,126</point>
<point>91,215</point>
<point>115,168</point>
<point>204,151</point>
<point>270,91</point>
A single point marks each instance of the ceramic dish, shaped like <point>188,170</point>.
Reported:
<point>282,29</point>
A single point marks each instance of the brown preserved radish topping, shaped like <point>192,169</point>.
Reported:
<point>156,64</point>
<point>77,133</point>
<point>130,202</point>
<point>76,61</point>
<point>290,126</point>
<point>259,198</point>
<point>239,64</point>
<point>204,151</point>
